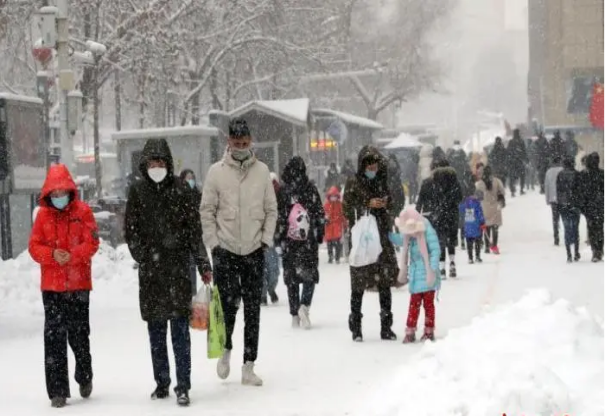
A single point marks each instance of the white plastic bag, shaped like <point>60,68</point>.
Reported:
<point>365,240</point>
<point>200,308</point>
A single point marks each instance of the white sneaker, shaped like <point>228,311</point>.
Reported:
<point>249,377</point>
<point>223,366</point>
<point>303,314</point>
<point>295,322</point>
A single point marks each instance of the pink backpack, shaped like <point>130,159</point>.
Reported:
<point>298,223</point>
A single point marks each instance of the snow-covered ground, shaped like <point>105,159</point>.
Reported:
<point>500,349</point>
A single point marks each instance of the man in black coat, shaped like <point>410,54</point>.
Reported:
<point>498,160</point>
<point>439,200</point>
<point>517,160</point>
<point>163,230</point>
<point>591,181</point>
<point>542,161</point>
<point>557,147</point>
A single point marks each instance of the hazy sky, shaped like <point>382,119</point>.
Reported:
<point>475,26</point>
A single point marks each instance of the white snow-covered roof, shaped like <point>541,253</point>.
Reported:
<point>164,132</point>
<point>349,118</point>
<point>294,111</point>
<point>22,98</point>
<point>404,140</point>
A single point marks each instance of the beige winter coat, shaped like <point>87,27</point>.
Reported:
<point>492,210</point>
<point>239,207</point>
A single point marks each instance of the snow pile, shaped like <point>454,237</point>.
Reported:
<point>20,280</point>
<point>533,358</point>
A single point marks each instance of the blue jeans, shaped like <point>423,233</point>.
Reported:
<point>571,225</point>
<point>270,272</point>
<point>297,299</point>
<point>181,345</point>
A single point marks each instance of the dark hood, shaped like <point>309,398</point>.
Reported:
<point>444,177</point>
<point>295,172</point>
<point>592,161</point>
<point>368,155</point>
<point>156,149</point>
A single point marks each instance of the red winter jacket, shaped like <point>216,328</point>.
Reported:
<point>336,221</point>
<point>72,229</point>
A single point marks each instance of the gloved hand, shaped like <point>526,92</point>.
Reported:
<point>396,239</point>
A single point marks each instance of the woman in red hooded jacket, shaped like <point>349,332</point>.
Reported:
<point>63,241</point>
<point>335,224</point>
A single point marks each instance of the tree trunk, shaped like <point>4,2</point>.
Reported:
<point>216,102</point>
<point>372,113</point>
<point>97,139</point>
<point>117,95</point>
<point>195,109</point>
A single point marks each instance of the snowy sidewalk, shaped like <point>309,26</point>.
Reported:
<point>306,373</point>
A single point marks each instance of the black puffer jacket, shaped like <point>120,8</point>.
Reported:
<point>541,153</point>
<point>592,188</point>
<point>163,230</point>
<point>498,159</point>
<point>300,258</point>
<point>359,190</point>
<point>569,190</point>
<point>439,198</point>
<point>517,154</point>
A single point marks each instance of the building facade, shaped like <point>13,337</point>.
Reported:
<point>565,60</point>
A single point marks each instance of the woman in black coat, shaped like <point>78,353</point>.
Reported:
<point>300,256</point>
<point>369,191</point>
<point>439,200</point>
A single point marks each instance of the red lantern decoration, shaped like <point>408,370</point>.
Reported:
<point>42,55</point>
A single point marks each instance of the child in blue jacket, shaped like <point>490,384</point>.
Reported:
<point>474,224</point>
<point>419,268</point>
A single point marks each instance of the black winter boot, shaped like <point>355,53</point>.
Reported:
<point>386,322</point>
<point>355,327</point>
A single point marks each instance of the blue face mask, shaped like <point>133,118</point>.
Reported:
<point>191,183</point>
<point>370,174</point>
<point>60,202</point>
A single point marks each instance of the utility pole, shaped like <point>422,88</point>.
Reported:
<point>66,82</point>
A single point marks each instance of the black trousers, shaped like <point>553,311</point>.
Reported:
<point>181,345</point>
<point>385,298</point>
<point>66,320</point>
<point>595,234</point>
<point>541,177</point>
<point>473,244</point>
<point>448,240</point>
<point>556,218</point>
<point>334,249</point>
<point>240,278</point>
<point>520,175</point>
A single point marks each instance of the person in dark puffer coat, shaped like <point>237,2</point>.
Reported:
<point>592,203</point>
<point>163,230</point>
<point>438,200</point>
<point>498,159</point>
<point>368,191</point>
<point>300,258</point>
<point>569,200</point>
<point>541,162</point>
<point>517,160</point>
<point>557,147</point>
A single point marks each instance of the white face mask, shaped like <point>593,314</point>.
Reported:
<point>157,174</point>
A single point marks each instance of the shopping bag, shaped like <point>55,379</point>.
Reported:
<point>200,308</point>
<point>217,334</point>
<point>365,239</point>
